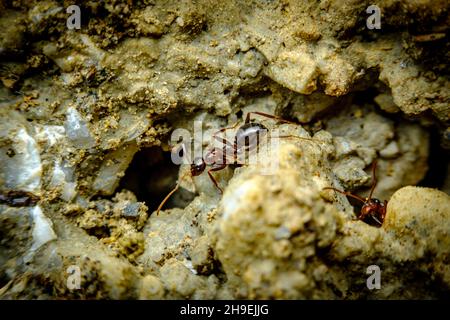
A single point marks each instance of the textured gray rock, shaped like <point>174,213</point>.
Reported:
<point>79,108</point>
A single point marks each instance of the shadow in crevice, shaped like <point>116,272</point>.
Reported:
<point>151,176</point>
<point>438,160</point>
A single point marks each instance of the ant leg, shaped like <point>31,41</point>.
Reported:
<point>212,177</point>
<point>226,151</point>
<point>167,198</point>
<point>224,141</point>
<point>297,137</point>
<point>374,178</point>
<point>346,193</point>
<point>224,129</point>
<point>270,116</point>
<point>293,136</point>
<point>218,156</point>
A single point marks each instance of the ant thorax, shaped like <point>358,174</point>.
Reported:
<point>215,156</point>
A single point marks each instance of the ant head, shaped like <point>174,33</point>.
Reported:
<point>198,166</point>
<point>371,205</point>
<point>373,202</point>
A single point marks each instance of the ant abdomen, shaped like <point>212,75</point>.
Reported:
<point>249,136</point>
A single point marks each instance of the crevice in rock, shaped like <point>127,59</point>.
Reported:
<point>151,176</point>
<point>438,160</point>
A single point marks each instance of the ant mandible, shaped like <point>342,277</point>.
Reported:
<point>246,139</point>
<point>372,207</point>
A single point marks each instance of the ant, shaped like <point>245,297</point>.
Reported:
<point>18,198</point>
<point>246,139</point>
<point>372,207</point>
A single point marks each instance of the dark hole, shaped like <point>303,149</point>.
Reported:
<point>99,232</point>
<point>438,160</point>
<point>151,176</point>
<point>10,153</point>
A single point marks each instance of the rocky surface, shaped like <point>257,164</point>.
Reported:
<point>86,118</point>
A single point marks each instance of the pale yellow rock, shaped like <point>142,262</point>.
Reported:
<point>421,218</point>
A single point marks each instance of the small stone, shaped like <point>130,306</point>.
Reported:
<point>151,288</point>
<point>77,129</point>
<point>390,151</point>
<point>129,210</point>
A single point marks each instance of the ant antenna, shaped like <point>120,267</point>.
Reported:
<point>170,194</point>
<point>270,116</point>
<point>176,187</point>
<point>346,193</point>
<point>298,137</point>
<point>374,183</point>
<point>374,178</point>
<point>167,198</point>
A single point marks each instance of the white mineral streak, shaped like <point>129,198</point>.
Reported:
<point>113,168</point>
<point>188,264</point>
<point>62,178</point>
<point>23,170</point>
<point>77,129</point>
<point>37,16</point>
<point>50,134</point>
<point>94,52</point>
<point>42,231</point>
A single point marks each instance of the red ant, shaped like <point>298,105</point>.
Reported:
<point>245,140</point>
<point>18,198</point>
<point>372,207</point>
